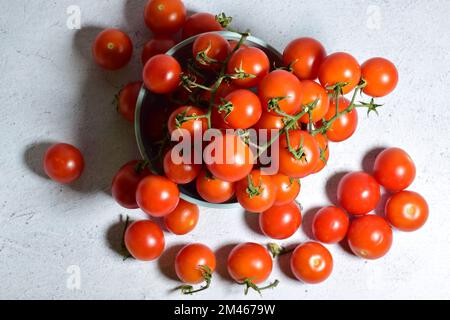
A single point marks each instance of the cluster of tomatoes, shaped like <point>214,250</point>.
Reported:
<point>232,85</point>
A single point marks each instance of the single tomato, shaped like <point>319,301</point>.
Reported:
<point>406,211</point>
<point>183,219</point>
<point>157,196</point>
<point>112,49</point>
<point>311,263</point>
<point>165,16</point>
<point>162,74</point>
<point>63,163</point>
<point>330,224</point>
<point>191,261</point>
<point>252,61</point>
<point>340,67</point>
<point>304,55</point>
<point>287,189</point>
<point>213,189</point>
<point>280,222</point>
<point>256,192</point>
<point>144,240</point>
<point>381,77</point>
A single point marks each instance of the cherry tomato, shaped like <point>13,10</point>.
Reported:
<point>304,55</point>
<point>252,61</point>
<point>179,170</point>
<point>280,222</point>
<point>240,109</point>
<point>381,76</point>
<point>215,49</point>
<point>369,237</point>
<point>256,193</point>
<point>225,88</point>
<point>193,126</point>
<point>127,100</point>
<point>230,159</point>
<point>358,193</point>
<point>213,189</point>
<point>183,219</point>
<point>269,121</point>
<point>311,262</point>
<point>234,43</point>
<point>165,16</point>
<point>307,154</point>
<point>162,74</point>
<point>284,85</point>
<point>200,23</point>
<point>340,67</point>
<point>313,91</point>
<point>112,49</point>
<point>190,260</point>
<point>157,196</point>
<point>158,45</point>
<point>394,169</point>
<point>249,261</point>
<point>125,183</point>
<point>63,163</point>
<point>322,141</point>
<point>345,126</point>
<point>330,224</point>
<point>287,189</point>
<point>144,240</point>
<point>406,211</point>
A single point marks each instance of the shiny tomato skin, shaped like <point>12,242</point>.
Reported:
<point>369,237</point>
<point>127,100</point>
<point>381,76</point>
<point>313,91</point>
<point>144,240</point>
<point>246,109</point>
<point>213,189</point>
<point>112,49</point>
<point>157,45</point>
<point>189,261</point>
<point>281,83</point>
<point>214,46</point>
<point>252,61</point>
<point>249,261</point>
<point>406,211</point>
<point>287,189</point>
<point>157,196</point>
<point>269,121</point>
<point>162,74</point>
<point>258,202</point>
<point>324,147</point>
<point>180,173</point>
<point>340,67</point>
<point>280,222</point>
<point>311,263</point>
<point>192,126</point>
<point>330,225</point>
<point>234,43</point>
<point>165,16</point>
<point>200,23</point>
<point>394,169</point>
<point>358,193</point>
<point>305,55</point>
<point>63,163</point>
<point>345,126</point>
<point>183,219</point>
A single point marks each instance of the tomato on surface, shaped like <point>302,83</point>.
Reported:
<point>63,163</point>
<point>394,169</point>
<point>127,100</point>
<point>112,49</point>
<point>144,240</point>
<point>252,61</point>
<point>340,67</point>
<point>210,50</point>
<point>200,23</point>
<point>311,263</point>
<point>324,148</point>
<point>307,154</point>
<point>183,219</point>
<point>158,45</point>
<point>304,55</point>
<point>192,126</point>
<point>249,261</point>
<point>181,169</point>
<point>162,74</point>
<point>280,222</point>
<point>406,211</point>
<point>157,196</point>
<point>164,16</point>
<point>313,91</point>
<point>381,76</point>
<point>213,189</point>
<point>256,192</point>
<point>358,193</point>
<point>241,109</point>
<point>369,237</point>
<point>287,189</point>
<point>285,86</point>
<point>125,183</point>
<point>190,260</point>
<point>330,224</point>
<point>345,126</point>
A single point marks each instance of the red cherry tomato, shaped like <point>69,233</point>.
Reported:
<point>225,88</point>
<point>406,211</point>
<point>252,61</point>
<point>304,55</point>
<point>280,222</point>
<point>394,169</point>
<point>193,126</point>
<point>200,23</point>
<point>165,16</point>
<point>311,262</point>
<point>249,261</point>
<point>240,109</point>
<point>381,76</point>
<point>162,74</point>
<point>322,141</point>
<point>369,237</point>
<point>183,219</point>
<point>144,240</point>
<point>157,196</point>
<point>158,45</point>
<point>127,100</point>
<point>287,189</point>
<point>213,189</point>
<point>214,48</point>
<point>125,183</point>
<point>313,91</point>
<point>345,126</point>
<point>234,43</point>
<point>181,169</point>
<point>281,84</point>
<point>190,260</point>
<point>63,163</point>
<point>358,193</point>
<point>340,67</point>
<point>269,121</point>
<point>330,224</point>
<point>112,49</point>
<point>257,192</point>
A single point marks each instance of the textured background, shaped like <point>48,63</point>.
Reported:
<point>52,91</point>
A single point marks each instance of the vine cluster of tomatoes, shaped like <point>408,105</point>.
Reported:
<point>232,85</point>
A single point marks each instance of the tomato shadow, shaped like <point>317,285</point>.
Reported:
<point>133,11</point>
<point>252,221</point>
<point>222,258</point>
<point>379,210</point>
<point>307,221</point>
<point>369,159</point>
<point>345,246</point>
<point>114,237</point>
<point>284,263</point>
<point>166,262</point>
<point>332,186</point>
<point>34,155</point>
